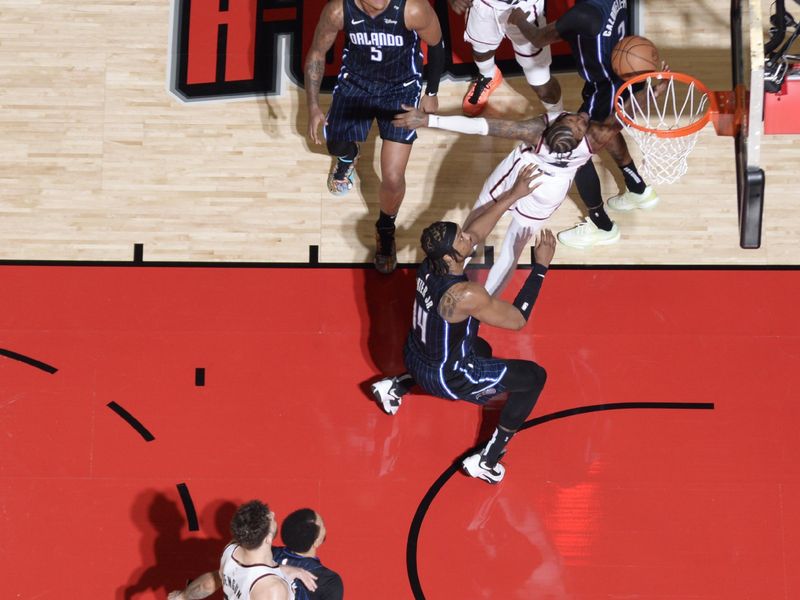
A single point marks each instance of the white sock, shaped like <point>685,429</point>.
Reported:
<point>486,67</point>
<point>553,110</point>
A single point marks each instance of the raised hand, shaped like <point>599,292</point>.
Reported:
<point>527,180</point>
<point>545,248</point>
<point>518,16</point>
<point>309,580</point>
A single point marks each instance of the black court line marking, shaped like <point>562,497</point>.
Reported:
<point>313,256</point>
<point>488,256</point>
<point>188,507</point>
<point>427,500</point>
<point>132,421</point>
<point>28,360</point>
<point>138,253</point>
<point>200,377</point>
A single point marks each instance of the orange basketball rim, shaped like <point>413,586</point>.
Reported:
<point>727,109</point>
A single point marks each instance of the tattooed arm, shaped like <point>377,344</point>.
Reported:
<point>480,223</point>
<point>470,299</point>
<point>331,21</point>
<point>529,131</point>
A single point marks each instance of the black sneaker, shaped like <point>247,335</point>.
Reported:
<point>386,251</point>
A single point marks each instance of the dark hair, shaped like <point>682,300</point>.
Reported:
<point>560,137</point>
<point>437,242</point>
<point>251,524</point>
<point>300,530</point>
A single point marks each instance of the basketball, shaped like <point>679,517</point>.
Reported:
<point>634,55</point>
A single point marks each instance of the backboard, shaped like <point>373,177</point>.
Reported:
<point>747,61</point>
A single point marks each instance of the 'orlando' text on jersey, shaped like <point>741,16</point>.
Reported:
<point>380,50</point>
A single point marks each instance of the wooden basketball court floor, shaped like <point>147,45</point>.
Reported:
<point>660,461</point>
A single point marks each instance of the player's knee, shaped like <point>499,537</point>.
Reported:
<point>393,183</point>
<point>342,149</point>
<point>536,375</point>
<point>536,75</point>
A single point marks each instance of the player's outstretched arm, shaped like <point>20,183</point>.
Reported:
<point>529,131</point>
<point>200,587</point>
<point>307,577</point>
<point>331,21</point>
<point>480,225</point>
<point>470,299</point>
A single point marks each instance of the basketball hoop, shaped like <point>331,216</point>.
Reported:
<point>665,123</point>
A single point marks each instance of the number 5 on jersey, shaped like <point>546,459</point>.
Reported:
<point>376,54</point>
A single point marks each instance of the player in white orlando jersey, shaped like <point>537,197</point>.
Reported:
<point>558,149</point>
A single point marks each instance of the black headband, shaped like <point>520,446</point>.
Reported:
<point>437,239</point>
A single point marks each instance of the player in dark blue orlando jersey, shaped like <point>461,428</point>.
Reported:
<point>381,70</point>
<point>443,353</point>
<point>592,28</point>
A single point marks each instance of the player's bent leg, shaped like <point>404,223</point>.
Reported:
<point>550,96</point>
<point>394,159</point>
<point>524,380</point>
<point>536,68</point>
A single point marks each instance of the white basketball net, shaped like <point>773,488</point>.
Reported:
<point>680,105</point>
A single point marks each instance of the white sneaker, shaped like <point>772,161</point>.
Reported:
<point>586,234</point>
<point>385,394</point>
<point>630,201</point>
<point>475,467</point>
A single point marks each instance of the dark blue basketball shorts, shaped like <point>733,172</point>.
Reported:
<point>598,98</point>
<point>476,379</point>
<point>356,104</point>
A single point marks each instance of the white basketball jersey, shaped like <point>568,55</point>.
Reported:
<point>504,5</point>
<point>238,579</point>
